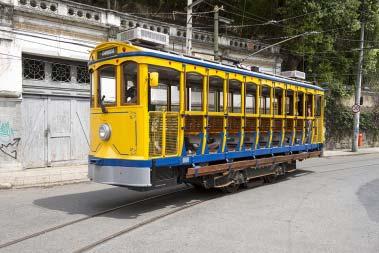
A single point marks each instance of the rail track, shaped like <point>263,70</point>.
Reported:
<point>141,224</point>
<point>152,219</point>
<point>42,232</point>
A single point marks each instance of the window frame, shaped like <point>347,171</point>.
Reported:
<point>318,108</point>
<point>230,96</point>
<point>93,89</point>
<point>186,92</point>
<point>265,98</point>
<point>312,103</point>
<point>291,105</point>
<point>220,107</point>
<point>99,86</point>
<point>122,102</point>
<point>247,84</point>
<point>302,100</point>
<point>279,101</point>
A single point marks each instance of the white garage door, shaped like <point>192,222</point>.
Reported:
<point>55,131</point>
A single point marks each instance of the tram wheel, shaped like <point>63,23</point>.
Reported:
<point>199,187</point>
<point>270,179</point>
<point>232,188</point>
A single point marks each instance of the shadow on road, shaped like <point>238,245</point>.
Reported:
<point>369,197</point>
<point>88,203</point>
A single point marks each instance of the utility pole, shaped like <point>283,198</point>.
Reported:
<point>189,28</point>
<point>359,83</point>
<point>190,5</point>
<point>215,35</point>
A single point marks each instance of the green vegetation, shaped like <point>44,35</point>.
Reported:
<point>329,57</point>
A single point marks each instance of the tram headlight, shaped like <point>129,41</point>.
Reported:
<point>104,132</point>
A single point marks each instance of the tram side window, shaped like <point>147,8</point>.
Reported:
<point>318,106</point>
<point>265,102</point>
<point>93,87</point>
<point>107,85</point>
<point>165,97</point>
<point>130,87</point>
<point>289,102</point>
<point>194,92</point>
<point>277,102</point>
<point>216,94</point>
<point>300,99</point>
<point>309,105</point>
<point>234,96</point>
<point>251,93</point>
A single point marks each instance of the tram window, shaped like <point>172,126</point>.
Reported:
<point>107,85</point>
<point>300,109</point>
<point>251,93</point>
<point>309,105</point>
<point>277,102</point>
<point>165,97</point>
<point>194,88</point>
<point>175,94</point>
<point>318,106</point>
<point>289,102</point>
<point>265,101</point>
<point>130,87</point>
<point>216,94</point>
<point>93,87</point>
<point>234,96</point>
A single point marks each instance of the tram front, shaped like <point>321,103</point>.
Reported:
<point>118,119</point>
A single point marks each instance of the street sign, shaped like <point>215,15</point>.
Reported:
<point>356,108</point>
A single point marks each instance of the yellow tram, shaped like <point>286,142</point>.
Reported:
<point>160,118</point>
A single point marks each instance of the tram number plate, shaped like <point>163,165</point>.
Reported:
<point>356,108</point>
<point>106,53</point>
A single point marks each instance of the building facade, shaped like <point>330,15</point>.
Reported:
<point>44,83</point>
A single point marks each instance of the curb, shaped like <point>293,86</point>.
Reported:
<point>5,186</point>
<point>9,186</point>
<point>351,154</point>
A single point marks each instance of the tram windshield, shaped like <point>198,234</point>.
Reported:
<point>107,85</point>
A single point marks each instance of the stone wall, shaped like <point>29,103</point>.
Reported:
<point>369,141</point>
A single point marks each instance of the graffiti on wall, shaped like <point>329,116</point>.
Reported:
<point>6,130</point>
<point>10,149</point>
<point>8,142</point>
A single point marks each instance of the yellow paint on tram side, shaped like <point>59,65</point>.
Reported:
<point>130,123</point>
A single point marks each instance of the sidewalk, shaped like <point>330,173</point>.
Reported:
<point>348,152</point>
<point>48,176</point>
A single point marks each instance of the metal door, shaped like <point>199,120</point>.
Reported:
<point>33,135</point>
<point>59,129</point>
<point>55,131</point>
<point>80,129</point>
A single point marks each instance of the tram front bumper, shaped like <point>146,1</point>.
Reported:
<point>120,176</point>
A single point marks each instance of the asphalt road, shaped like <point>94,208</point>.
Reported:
<point>328,205</point>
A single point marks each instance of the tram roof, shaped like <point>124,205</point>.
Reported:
<point>210,64</point>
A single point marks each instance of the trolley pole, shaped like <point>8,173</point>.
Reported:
<point>358,86</point>
<point>215,35</point>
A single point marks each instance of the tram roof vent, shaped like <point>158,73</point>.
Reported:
<point>294,74</point>
<point>142,35</point>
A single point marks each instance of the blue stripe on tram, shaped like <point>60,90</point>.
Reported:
<point>189,160</point>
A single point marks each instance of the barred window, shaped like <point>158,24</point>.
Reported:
<point>33,69</point>
<point>60,72</point>
<point>82,75</point>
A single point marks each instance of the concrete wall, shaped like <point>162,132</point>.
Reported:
<point>10,132</point>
